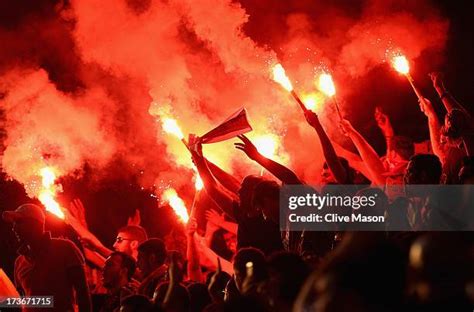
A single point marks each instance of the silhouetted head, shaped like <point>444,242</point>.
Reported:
<point>246,194</point>
<point>402,149</point>
<point>118,270</point>
<point>455,125</point>
<point>136,303</point>
<point>423,169</point>
<point>327,176</point>
<point>28,222</point>
<point>180,300</point>
<point>286,274</point>
<point>266,198</point>
<point>224,243</point>
<point>245,256</point>
<point>151,255</point>
<point>199,296</point>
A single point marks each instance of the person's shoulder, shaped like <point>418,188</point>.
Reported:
<point>63,244</point>
<point>67,249</point>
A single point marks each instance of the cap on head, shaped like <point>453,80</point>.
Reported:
<point>24,211</point>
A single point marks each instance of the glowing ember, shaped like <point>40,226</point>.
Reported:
<point>48,193</point>
<point>267,145</point>
<point>198,184</point>
<point>400,63</point>
<point>326,85</point>
<point>312,101</point>
<point>279,76</point>
<point>171,126</point>
<point>177,204</point>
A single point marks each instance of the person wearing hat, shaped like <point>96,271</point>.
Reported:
<point>47,266</point>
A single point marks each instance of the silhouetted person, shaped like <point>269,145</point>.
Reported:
<point>117,275</point>
<point>151,262</point>
<point>286,275</point>
<point>244,258</point>
<point>136,303</point>
<point>47,266</point>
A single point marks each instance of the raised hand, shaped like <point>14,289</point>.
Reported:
<point>346,126</point>
<point>213,287</point>
<point>174,269</point>
<point>311,118</point>
<point>437,80</point>
<point>194,143</point>
<point>426,107</point>
<point>383,122</point>
<point>247,147</point>
<point>214,217</point>
<point>196,152</point>
<point>135,219</point>
<point>76,207</point>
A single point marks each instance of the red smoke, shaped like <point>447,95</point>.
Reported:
<point>201,60</point>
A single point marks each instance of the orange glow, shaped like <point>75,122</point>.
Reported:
<point>313,101</point>
<point>267,145</point>
<point>400,63</point>
<point>198,184</point>
<point>326,85</point>
<point>279,76</point>
<point>177,204</point>
<point>171,126</point>
<point>48,193</point>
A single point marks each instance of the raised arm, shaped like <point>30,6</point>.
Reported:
<point>192,253</point>
<point>284,174</point>
<point>212,256</point>
<point>383,122</point>
<point>354,160</point>
<point>434,127</point>
<point>225,179</point>
<point>330,155</point>
<point>368,154</point>
<point>219,220</point>
<point>448,100</point>
<point>88,239</point>
<point>222,197</point>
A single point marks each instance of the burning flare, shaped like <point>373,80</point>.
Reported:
<point>171,126</point>
<point>177,204</point>
<point>326,85</point>
<point>279,76</point>
<point>400,63</point>
<point>198,184</point>
<point>312,101</point>
<point>48,193</point>
<point>267,145</point>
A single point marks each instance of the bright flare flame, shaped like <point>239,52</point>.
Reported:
<point>171,126</point>
<point>177,204</point>
<point>280,77</point>
<point>48,193</point>
<point>400,63</point>
<point>312,101</point>
<point>267,145</point>
<point>198,184</point>
<point>326,85</point>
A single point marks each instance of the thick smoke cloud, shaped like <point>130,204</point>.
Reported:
<point>78,79</point>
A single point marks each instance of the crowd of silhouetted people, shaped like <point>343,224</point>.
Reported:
<point>238,258</point>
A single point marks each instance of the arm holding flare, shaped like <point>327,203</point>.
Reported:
<point>330,155</point>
